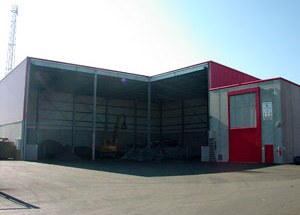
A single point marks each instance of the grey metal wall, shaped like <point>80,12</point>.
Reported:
<point>12,95</point>
<point>12,131</point>
<point>66,119</point>
<point>12,91</point>
<point>49,117</point>
<point>218,123</point>
<point>186,122</point>
<point>290,120</point>
<point>271,130</point>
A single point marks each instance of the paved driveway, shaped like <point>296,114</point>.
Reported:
<point>171,187</point>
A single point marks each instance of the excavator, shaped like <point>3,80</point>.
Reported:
<point>111,146</point>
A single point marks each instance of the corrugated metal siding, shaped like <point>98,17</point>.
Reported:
<point>55,113</point>
<point>222,76</point>
<point>12,95</point>
<point>11,131</point>
<point>271,134</point>
<point>218,121</point>
<point>290,121</point>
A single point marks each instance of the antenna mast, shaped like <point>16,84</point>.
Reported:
<point>10,61</point>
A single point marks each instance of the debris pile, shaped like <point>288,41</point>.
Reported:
<point>144,154</point>
<point>7,149</point>
<point>51,149</point>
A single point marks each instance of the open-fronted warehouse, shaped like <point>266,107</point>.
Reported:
<point>207,111</point>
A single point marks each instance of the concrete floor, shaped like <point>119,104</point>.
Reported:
<point>172,187</point>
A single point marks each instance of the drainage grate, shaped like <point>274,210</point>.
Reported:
<point>8,202</point>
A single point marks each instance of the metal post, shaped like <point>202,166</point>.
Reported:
<point>149,116</point>
<point>39,155</point>
<point>37,118</point>
<point>160,120</point>
<point>73,123</point>
<point>25,115</point>
<point>182,130</point>
<point>94,116</point>
<point>182,122</point>
<point>208,72</point>
<point>135,124</point>
<point>106,120</point>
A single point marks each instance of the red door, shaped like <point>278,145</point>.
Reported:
<point>269,154</point>
<point>244,126</point>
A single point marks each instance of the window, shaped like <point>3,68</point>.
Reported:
<point>243,110</point>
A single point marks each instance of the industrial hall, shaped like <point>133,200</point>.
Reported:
<point>207,111</point>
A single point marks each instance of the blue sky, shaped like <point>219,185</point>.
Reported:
<point>258,37</point>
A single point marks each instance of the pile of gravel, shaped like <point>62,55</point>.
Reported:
<point>144,154</point>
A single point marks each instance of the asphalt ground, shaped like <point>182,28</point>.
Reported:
<point>169,187</point>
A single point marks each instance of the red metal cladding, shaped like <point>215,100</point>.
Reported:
<point>221,75</point>
<point>269,154</point>
<point>244,146</point>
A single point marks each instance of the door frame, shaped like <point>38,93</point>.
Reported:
<point>255,90</point>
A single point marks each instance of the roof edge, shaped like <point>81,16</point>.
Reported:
<point>181,71</point>
<point>87,69</point>
<point>255,82</point>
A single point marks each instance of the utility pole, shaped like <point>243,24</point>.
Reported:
<point>10,61</point>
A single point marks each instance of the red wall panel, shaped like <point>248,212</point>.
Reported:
<point>244,146</point>
<point>223,76</point>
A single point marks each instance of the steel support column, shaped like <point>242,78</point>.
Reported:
<point>37,118</point>
<point>135,124</point>
<point>94,116</point>
<point>182,123</point>
<point>25,111</point>
<point>73,122</point>
<point>160,120</point>
<point>106,120</point>
<point>149,116</point>
<point>37,122</point>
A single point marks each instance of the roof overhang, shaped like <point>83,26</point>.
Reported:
<point>178,72</point>
<point>86,69</point>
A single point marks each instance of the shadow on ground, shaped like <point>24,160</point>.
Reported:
<point>164,168</point>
